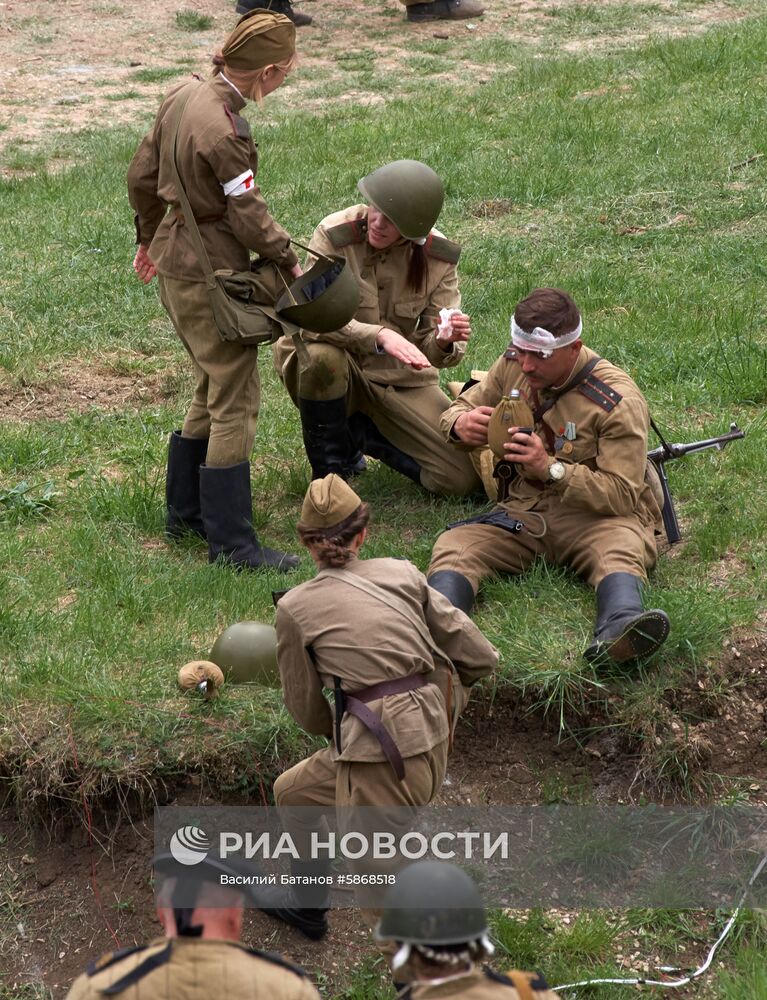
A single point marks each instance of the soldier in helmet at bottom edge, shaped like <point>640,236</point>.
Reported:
<point>201,954</point>
<point>436,949</point>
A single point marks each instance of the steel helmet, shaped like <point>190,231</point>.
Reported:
<point>323,299</point>
<point>408,193</point>
<point>247,652</point>
<point>453,913</point>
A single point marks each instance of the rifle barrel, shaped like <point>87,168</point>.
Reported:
<point>679,450</point>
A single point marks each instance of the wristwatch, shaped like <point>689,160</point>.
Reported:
<point>556,472</point>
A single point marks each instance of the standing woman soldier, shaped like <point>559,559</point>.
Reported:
<point>372,387</point>
<point>208,485</point>
<point>396,655</point>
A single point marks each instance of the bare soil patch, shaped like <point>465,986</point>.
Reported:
<point>109,385</point>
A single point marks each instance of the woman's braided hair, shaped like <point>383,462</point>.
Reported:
<point>332,544</point>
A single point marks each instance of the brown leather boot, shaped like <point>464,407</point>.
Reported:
<point>445,10</point>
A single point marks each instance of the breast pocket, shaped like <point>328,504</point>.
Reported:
<point>581,451</point>
<point>408,314</point>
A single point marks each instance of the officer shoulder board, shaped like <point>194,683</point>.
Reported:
<point>345,233</point>
<point>599,392</point>
<point>442,249</point>
<point>240,126</point>
<point>525,983</point>
<point>149,964</point>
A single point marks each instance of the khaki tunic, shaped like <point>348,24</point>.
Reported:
<point>480,985</point>
<point>600,519</point>
<point>214,147</point>
<point>197,969</point>
<point>405,404</point>
<point>327,628</point>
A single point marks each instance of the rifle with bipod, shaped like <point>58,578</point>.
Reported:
<point>667,453</point>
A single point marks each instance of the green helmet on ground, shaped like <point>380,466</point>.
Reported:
<point>454,913</point>
<point>247,653</point>
<point>323,299</point>
<point>408,193</point>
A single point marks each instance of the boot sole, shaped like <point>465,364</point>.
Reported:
<point>645,636</point>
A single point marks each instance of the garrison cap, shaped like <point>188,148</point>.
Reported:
<point>327,502</point>
<point>261,38</point>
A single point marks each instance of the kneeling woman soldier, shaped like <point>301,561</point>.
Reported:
<point>372,387</point>
<point>208,489</point>
<point>387,645</point>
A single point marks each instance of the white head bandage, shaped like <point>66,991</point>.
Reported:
<point>541,340</point>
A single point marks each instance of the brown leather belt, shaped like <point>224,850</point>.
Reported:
<point>356,704</point>
<point>201,221</point>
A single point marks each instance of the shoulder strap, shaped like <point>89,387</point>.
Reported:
<point>442,248</point>
<point>141,970</point>
<point>581,377</point>
<point>527,984</point>
<point>347,232</point>
<point>600,392</point>
<point>111,957</point>
<point>194,232</point>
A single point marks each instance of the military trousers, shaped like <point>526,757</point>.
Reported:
<point>593,545</point>
<point>228,390</point>
<point>407,416</point>
<point>320,781</point>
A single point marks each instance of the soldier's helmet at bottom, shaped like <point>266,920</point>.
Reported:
<point>246,652</point>
<point>436,904</point>
<point>408,193</point>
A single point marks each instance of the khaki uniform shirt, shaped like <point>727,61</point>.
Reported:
<point>481,985</point>
<point>386,301</point>
<point>196,969</point>
<point>214,147</point>
<point>605,463</point>
<point>327,628</point>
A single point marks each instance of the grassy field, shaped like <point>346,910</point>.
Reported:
<point>633,177</point>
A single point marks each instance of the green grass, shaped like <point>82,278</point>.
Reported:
<point>156,75</point>
<point>192,20</point>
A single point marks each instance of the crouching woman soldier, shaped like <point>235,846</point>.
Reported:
<point>397,657</point>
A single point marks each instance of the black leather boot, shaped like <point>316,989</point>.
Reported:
<point>227,514</point>
<point>302,906</point>
<point>327,441</point>
<point>371,441</point>
<point>279,7</point>
<point>455,587</point>
<point>624,631</point>
<point>182,486</point>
